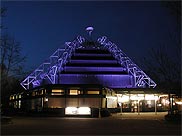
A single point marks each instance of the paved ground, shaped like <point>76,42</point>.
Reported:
<point>117,124</point>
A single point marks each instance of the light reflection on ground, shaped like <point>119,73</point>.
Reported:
<point>117,124</point>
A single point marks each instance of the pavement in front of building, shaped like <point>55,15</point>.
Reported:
<point>117,124</point>
<point>140,115</point>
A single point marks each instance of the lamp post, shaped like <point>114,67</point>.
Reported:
<point>156,98</point>
<point>119,101</point>
<point>138,107</point>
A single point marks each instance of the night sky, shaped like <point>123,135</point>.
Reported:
<point>42,27</point>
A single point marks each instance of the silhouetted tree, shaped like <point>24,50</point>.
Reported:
<point>11,65</point>
<point>163,64</point>
<point>2,14</point>
<point>164,70</point>
<point>174,8</point>
<point>11,59</point>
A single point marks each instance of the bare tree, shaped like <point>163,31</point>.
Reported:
<point>163,68</point>
<point>11,58</point>
<point>163,64</point>
<point>2,14</point>
<point>11,65</point>
<point>174,8</point>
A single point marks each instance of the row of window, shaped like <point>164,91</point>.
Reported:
<point>40,92</point>
<point>16,104</point>
<point>73,92</point>
<point>15,96</point>
<point>55,92</point>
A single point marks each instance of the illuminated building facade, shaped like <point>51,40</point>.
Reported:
<point>88,75</point>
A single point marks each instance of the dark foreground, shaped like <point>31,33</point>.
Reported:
<point>126,124</point>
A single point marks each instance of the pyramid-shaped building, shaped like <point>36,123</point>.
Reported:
<point>86,75</point>
<point>89,62</point>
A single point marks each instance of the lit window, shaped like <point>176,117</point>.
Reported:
<point>15,104</point>
<point>84,111</point>
<point>42,92</point>
<point>149,97</point>
<point>57,92</point>
<point>19,104</point>
<point>124,98</point>
<point>133,97</point>
<point>16,96</point>
<point>140,96</point>
<point>74,92</point>
<point>77,111</point>
<point>92,92</point>
<point>11,97</point>
<point>33,93</point>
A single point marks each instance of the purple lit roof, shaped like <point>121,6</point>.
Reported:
<point>81,63</point>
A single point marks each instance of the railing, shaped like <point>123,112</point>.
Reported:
<point>55,63</point>
<point>140,78</point>
<point>52,65</point>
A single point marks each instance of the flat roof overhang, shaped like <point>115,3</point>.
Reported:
<point>143,91</point>
<point>55,86</point>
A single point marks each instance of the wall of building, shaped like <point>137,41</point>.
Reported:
<point>112,81</point>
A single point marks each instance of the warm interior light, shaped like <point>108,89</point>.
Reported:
<point>73,92</point>
<point>124,98</point>
<point>133,97</point>
<point>92,92</point>
<point>149,97</point>
<point>166,101</point>
<point>156,97</point>
<point>57,91</point>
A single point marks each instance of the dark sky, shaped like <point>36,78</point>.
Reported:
<point>41,27</point>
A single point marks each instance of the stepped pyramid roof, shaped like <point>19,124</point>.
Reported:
<point>85,61</point>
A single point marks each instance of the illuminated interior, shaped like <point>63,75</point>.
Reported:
<point>92,92</point>
<point>77,111</point>
<point>74,92</point>
<point>77,79</point>
<point>57,92</point>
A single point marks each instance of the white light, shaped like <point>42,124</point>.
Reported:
<point>149,97</point>
<point>89,28</point>
<point>77,111</point>
<point>140,97</point>
<point>111,97</point>
<point>46,99</point>
<point>166,102</point>
<point>163,101</point>
<point>134,97</point>
<point>180,103</point>
<point>119,104</point>
<point>71,110</point>
<point>149,102</point>
<point>124,98</point>
<point>159,104</point>
<point>156,98</point>
<point>84,111</point>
